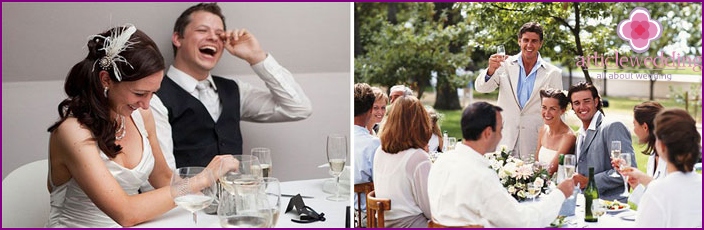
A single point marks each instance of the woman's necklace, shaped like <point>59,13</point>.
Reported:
<point>122,131</point>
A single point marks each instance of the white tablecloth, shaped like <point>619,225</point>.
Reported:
<point>608,220</point>
<point>334,211</point>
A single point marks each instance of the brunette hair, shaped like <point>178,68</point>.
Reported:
<point>581,86</point>
<point>185,18</point>
<point>434,118</point>
<point>531,27</point>
<point>86,100</point>
<point>476,117</point>
<point>677,131</point>
<point>555,94</point>
<point>408,126</point>
<point>363,98</point>
<point>644,113</point>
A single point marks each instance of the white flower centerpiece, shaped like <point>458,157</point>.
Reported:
<point>515,174</point>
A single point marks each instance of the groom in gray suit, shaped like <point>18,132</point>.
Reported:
<point>594,140</point>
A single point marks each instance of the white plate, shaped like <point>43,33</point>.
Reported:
<point>628,216</point>
<point>625,207</point>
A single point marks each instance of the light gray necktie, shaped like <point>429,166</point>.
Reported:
<point>208,96</point>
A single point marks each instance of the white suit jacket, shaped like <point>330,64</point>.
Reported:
<point>520,125</point>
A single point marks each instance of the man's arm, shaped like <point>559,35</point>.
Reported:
<point>283,100</point>
<point>163,130</point>
<point>482,85</point>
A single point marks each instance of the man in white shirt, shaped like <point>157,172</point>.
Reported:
<point>463,190</point>
<point>365,144</point>
<point>198,114</point>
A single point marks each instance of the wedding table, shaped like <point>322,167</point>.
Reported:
<point>622,219</point>
<point>335,212</point>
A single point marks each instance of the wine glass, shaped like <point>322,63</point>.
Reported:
<point>615,152</point>
<point>451,142</point>
<point>248,171</point>
<point>272,190</point>
<point>570,164</point>
<point>533,190</point>
<point>246,207</point>
<point>193,188</point>
<point>264,155</point>
<point>337,155</point>
<point>598,208</point>
<point>500,50</point>
<point>625,163</point>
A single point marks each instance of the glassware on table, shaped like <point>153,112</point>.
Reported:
<point>246,207</point>
<point>193,188</point>
<point>248,171</point>
<point>451,142</point>
<point>625,163</point>
<point>272,189</point>
<point>615,152</point>
<point>533,190</point>
<point>337,155</point>
<point>598,208</point>
<point>264,155</point>
<point>500,50</point>
<point>570,165</point>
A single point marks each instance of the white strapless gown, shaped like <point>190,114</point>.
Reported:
<point>71,207</point>
<point>546,155</point>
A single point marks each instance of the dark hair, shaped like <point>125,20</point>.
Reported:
<point>86,101</point>
<point>556,94</point>
<point>677,130</point>
<point>408,126</point>
<point>185,18</point>
<point>581,86</point>
<point>363,98</point>
<point>476,117</point>
<point>645,113</point>
<point>531,27</point>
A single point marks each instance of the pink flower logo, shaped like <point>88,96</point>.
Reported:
<point>639,30</point>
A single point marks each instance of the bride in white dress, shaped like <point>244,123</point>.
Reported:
<point>104,146</point>
<point>555,136</point>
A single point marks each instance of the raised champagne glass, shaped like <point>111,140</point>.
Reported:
<point>337,155</point>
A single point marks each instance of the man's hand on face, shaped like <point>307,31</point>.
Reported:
<point>244,45</point>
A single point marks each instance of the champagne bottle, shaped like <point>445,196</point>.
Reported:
<point>590,194</point>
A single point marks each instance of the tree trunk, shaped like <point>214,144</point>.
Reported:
<point>446,98</point>
<point>391,13</point>
<point>358,49</point>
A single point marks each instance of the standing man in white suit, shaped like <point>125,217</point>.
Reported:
<point>519,79</point>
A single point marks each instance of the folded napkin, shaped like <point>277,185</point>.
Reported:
<point>306,214</point>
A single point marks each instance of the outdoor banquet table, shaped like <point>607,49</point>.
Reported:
<point>334,211</point>
<point>608,220</point>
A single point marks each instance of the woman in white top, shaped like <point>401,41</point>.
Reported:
<point>104,147</point>
<point>674,201</point>
<point>555,136</point>
<point>643,118</point>
<point>435,143</point>
<point>401,164</point>
<point>378,110</point>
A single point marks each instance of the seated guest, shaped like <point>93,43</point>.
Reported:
<point>435,144</point>
<point>676,200</point>
<point>643,118</point>
<point>378,111</point>
<point>555,137</point>
<point>364,143</point>
<point>463,189</point>
<point>401,165</point>
<point>398,91</point>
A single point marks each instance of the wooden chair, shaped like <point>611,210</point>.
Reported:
<point>361,191</point>
<point>375,210</point>
<point>433,224</point>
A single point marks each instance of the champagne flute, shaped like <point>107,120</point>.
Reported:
<point>625,163</point>
<point>570,164</point>
<point>500,50</point>
<point>533,190</point>
<point>598,208</point>
<point>337,155</point>
<point>615,152</point>
<point>273,194</point>
<point>193,188</point>
<point>264,155</point>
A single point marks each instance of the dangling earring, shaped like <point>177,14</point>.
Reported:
<point>105,92</point>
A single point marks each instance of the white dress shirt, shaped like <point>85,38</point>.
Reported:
<point>672,202</point>
<point>463,190</point>
<point>656,173</point>
<point>283,100</point>
<point>582,133</point>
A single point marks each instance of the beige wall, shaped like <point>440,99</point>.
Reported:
<point>41,41</point>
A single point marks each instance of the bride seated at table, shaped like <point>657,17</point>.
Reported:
<point>401,164</point>
<point>555,137</point>
<point>104,147</point>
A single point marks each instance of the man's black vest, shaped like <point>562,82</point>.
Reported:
<point>196,137</point>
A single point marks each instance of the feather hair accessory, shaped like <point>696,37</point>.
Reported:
<point>113,45</point>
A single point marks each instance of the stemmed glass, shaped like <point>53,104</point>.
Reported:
<point>337,155</point>
<point>248,171</point>
<point>625,163</point>
<point>272,189</point>
<point>570,163</point>
<point>598,208</point>
<point>193,188</point>
<point>451,142</point>
<point>615,152</point>
<point>533,190</point>
<point>500,50</point>
<point>264,155</point>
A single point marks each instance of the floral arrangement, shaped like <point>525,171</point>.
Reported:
<point>516,174</point>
